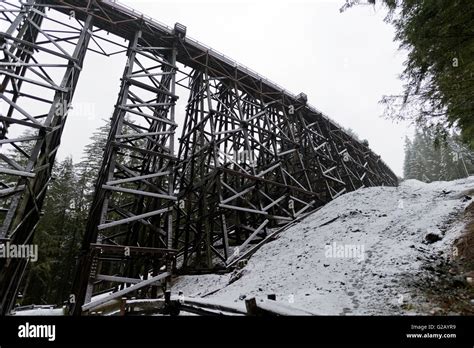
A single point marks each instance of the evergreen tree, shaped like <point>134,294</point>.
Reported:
<point>428,159</point>
<point>89,166</point>
<point>408,163</point>
<point>56,237</point>
<point>61,227</point>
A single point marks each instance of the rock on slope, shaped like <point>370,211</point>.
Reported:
<point>399,228</point>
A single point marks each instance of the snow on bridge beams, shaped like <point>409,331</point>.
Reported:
<point>251,157</point>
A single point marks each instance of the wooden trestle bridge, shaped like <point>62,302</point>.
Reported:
<point>251,157</point>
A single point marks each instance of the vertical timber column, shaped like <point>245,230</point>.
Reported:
<point>83,283</point>
<point>24,186</point>
<point>171,176</point>
<point>11,272</point>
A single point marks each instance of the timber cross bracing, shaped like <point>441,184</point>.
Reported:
<point>251,156</point>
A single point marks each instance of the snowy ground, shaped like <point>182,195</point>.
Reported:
<point>382,233</point>
<point>41,312</point>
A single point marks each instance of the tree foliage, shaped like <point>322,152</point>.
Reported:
<point>427,159</point>
<point>61,228</point>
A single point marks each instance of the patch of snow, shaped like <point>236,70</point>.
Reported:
<point>101,296</point>
<point>200,285</point>
<point>40,312</point>
<point>388,224</point>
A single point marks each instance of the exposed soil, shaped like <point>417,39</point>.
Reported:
<point>448,284</point>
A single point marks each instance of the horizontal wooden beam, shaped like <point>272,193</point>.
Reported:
<point>120,293</point>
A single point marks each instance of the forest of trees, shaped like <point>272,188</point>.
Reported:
<point>59,233</point>
<point>429,159</point>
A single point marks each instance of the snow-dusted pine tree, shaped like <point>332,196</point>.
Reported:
<point>427,158</point>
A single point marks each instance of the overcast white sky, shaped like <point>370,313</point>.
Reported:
<point>344,62</point>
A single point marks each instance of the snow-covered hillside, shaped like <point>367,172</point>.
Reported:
<point>359,254</point>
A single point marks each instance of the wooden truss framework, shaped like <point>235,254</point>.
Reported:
<point>250,161</point>
<point>251,157</point>
<point>134,197</point>
<point>38,52</point>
